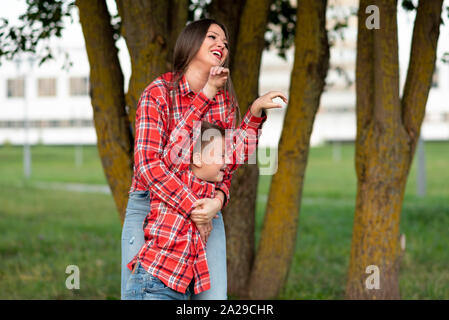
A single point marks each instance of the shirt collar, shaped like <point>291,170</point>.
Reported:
<point>184,87</point>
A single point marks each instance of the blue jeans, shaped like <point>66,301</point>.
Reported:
<point>144,286</point>
<point>133,239</point>
<point>216,261</point>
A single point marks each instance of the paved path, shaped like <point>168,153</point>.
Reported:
<point>76,187</point>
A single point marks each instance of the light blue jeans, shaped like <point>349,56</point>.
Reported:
<point>133,239</point>
<point>142,285</point>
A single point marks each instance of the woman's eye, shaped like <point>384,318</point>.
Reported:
<point>212,36</point>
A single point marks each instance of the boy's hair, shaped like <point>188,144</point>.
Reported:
<point>200,142</point>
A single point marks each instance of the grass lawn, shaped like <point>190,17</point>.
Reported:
<point>43,230</point>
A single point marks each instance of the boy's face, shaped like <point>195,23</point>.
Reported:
<point>210,164</point>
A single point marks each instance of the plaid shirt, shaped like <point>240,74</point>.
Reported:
<point>173,249</point>
<point>166,117</point>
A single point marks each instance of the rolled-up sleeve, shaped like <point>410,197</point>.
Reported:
<point>241,144</point>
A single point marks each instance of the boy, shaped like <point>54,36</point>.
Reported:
<point>172,263</point>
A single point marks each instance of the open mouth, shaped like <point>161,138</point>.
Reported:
<point>217,54</point>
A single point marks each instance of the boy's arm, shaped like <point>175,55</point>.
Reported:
<point>179,147</point>
<point>151,166</point>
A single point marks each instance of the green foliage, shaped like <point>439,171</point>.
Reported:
<point>281,27</point>
<point>408,5</point>
<point>198,9</point>
<point>43,20</point>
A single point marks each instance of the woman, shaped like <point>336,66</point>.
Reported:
<point>199,88</point>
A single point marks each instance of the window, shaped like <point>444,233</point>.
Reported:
<point>79,86</point>
<point>46,87</point>
<point>16,88</point>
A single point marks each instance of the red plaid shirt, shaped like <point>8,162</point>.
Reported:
<point>165,118</point>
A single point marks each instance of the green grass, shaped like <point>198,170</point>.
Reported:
<point>51,164</point>
<point>42,231</point>
<point>323,244</point>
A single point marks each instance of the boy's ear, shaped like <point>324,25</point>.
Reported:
<point>196,157</point>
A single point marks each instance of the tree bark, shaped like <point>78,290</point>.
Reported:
<point>384,145</point>
<point>114,140</point>
<point>421,67</point>
<point>144,27</point>
<point>177,21</point>
<point>278,238</point>
<point>231,17</point>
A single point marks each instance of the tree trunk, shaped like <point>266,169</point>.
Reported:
<point>145,26</point>
<point>178,11</point>
<point>114,140</point>
<point>278,238</point>
<point>239,216</point>
<point>231,17</point>
<point>384,147</point>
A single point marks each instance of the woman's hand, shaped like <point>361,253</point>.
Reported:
<point>204,229</point>
<point>266,102</point>
<point>217,79</point>
<point>205,209</point>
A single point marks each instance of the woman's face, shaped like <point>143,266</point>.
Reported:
<point>214,50</point>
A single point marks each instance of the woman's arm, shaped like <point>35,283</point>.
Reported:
<point>178,149</point>
<point>244,140</point>
<point>243,144</point>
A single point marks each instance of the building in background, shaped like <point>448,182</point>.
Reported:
<point>56,102</point>
<point>336,119</point>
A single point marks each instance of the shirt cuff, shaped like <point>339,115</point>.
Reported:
<point>185,207</point>
<point>221,188</point>
<point>252,121</point>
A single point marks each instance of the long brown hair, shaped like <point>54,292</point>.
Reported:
<point>187,45</point>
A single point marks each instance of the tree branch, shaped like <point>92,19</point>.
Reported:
<point>145,29</point>
<point>386,113</point>
<point>421,66</point>
<point>249,46</point>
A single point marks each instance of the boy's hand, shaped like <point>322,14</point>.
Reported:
<point>204,230</point>
<point>205,209</point>
<point>266,102</point>
<point>217,79</point>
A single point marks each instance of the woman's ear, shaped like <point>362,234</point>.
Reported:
<point>197,159</point>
